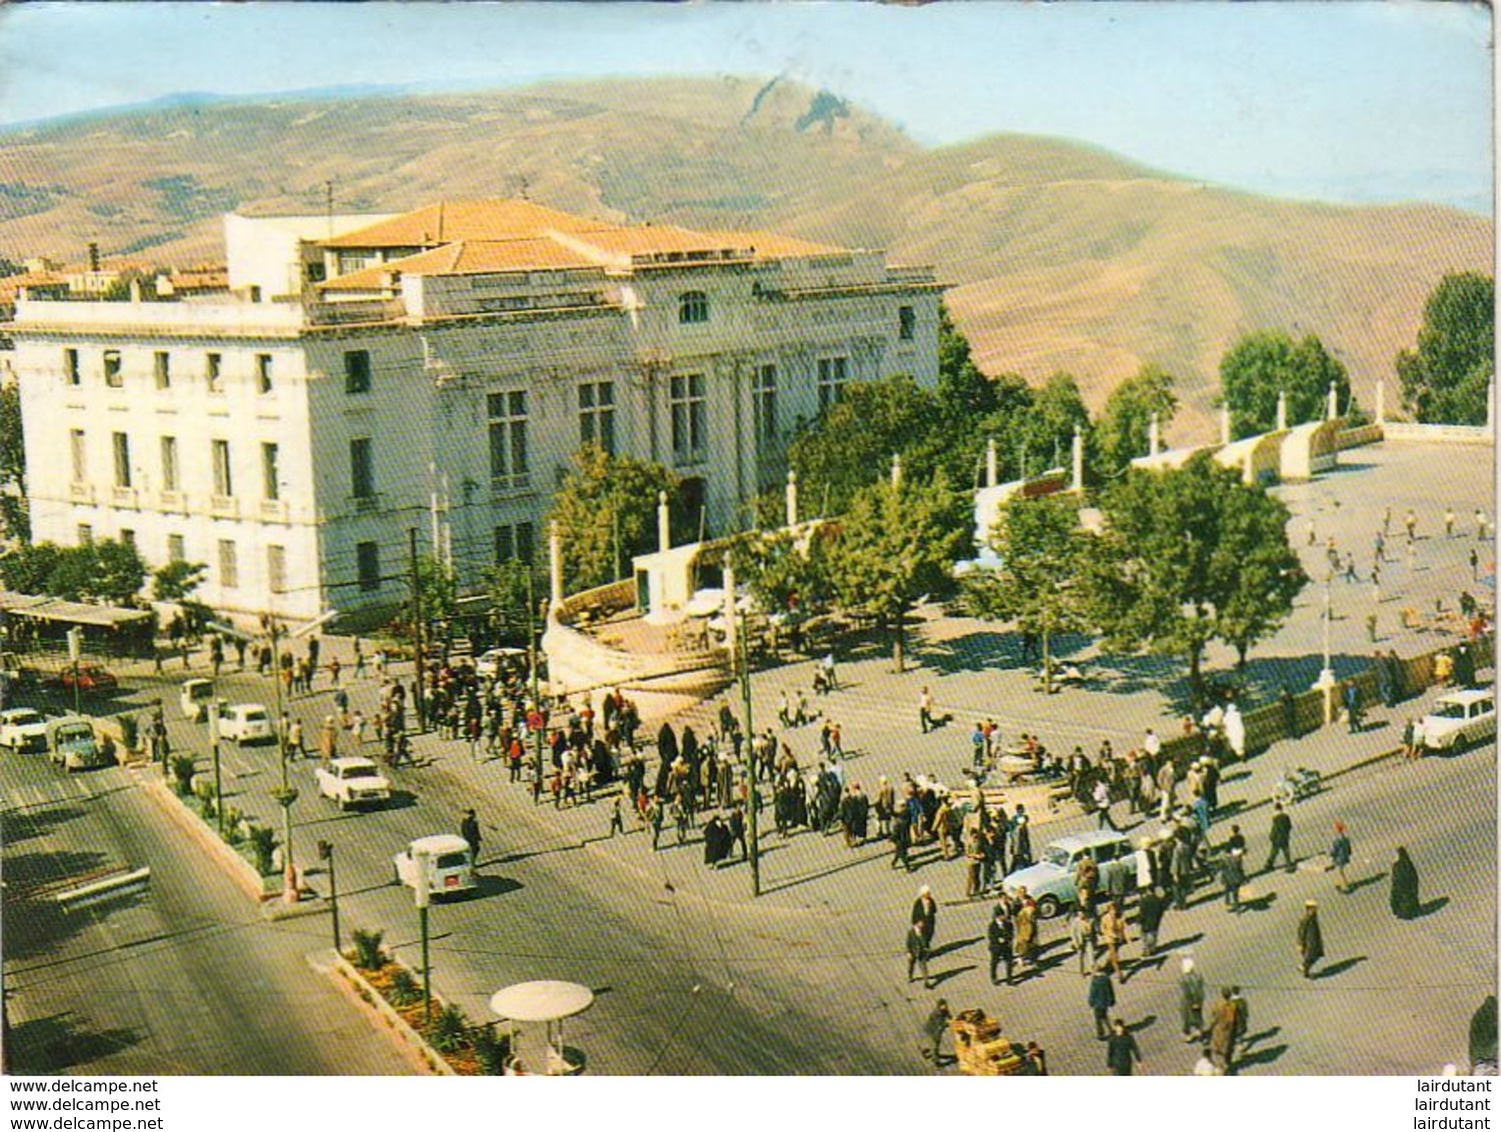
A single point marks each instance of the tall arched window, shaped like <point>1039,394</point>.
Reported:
<point>693,306</point>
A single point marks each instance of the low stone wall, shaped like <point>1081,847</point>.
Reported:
<point>241,871</point>
<point>1441,433</point>
<point>1358,437</point>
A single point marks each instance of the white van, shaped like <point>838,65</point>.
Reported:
<point>449,869</point>
<point>195,697</point>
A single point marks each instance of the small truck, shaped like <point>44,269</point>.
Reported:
<point>352,781</point>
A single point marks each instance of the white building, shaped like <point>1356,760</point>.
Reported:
<point>436,370</point>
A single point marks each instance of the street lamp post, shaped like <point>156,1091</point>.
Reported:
<point>213,738</point>
<point>1326,682</point>
<point>285,794</point>
<point>421,895</point>
<point>326,853</point>
<point>531,659</point>
<point>751,801</point>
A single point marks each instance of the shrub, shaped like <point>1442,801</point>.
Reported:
<point>130,732</point>
<point>182,774</point>
<point>490,1049</point>
<point>367,951</point>
<point>404,989</point>
<point>262,844</point>
<point>234,831</point>
<point>449,1031</point>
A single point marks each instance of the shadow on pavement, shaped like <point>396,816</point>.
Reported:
<point>1365,882</point>
<point>1142,1024</point>
<point>1430,907</point>
<point>1339,968</point>
<point>943,976</point>
<point>57,1042</point>
<point>1261,1056</point>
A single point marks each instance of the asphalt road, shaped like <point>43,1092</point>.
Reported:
<point>184,978</point>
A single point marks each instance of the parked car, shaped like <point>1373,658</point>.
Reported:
<point>1051,881</point>
<point>23,729</point>
<point>246,723</point>
<point>195,697</point>
<point>491,661</point>
<point>449,869</point>
<point>1459,720</point>
<point>88,677</point>
<point>352,781</point>
<point>17,675</point>
<point>73,745</point>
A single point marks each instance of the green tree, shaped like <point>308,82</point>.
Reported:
<point>1186,557</point>
<point>964,393</point>
<point>440,590</point>
<point>896,545</point>
<point>512,587</point>
<point>607,504</point>
<point>176,581</point>
<point>1038,584</point>
<point>15,517</point>
<point>783,571</point>
<point>853,440</point>
<point>119,572</point>
<point>1125,422</point>
<point>1445,380</point>
<point>1267,362</point>
<point>1044,431</point>
<point>28,568</point>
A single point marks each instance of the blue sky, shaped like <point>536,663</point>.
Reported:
<point>1348,101</point>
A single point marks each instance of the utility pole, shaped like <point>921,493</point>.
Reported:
<point>531,660</point>
<point>326,852</point>
<point>213,738</point>
<point>417,618</point>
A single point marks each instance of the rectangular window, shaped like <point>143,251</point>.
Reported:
<point>177,550</point>
<point>764,402</point>
<point>832,373</point>
<point>127,536</point>
<point>356,371</point>
<point>689,417</point>
<point>508,455</point>
<point>906,323</point>
<point>361,468</point>
<point>85,534</point>
<point>70,366</point>
<point>114,377</point>
<point>214,370</point>
<point>515,541</point>
<point>78,449</point>
<point>161,366</point>
<point>121,443</point>
<point>169,463</point>
<point>276,569</point>
<point>597,414</point>
<point>224,484</point>
<point>229,564</point>
<point>270,471</point>
<point>263,372</point>
<point>367,563</point>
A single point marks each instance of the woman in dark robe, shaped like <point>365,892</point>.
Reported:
<point>1404,887</point>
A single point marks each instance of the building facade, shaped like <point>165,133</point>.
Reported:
<point>367,376</point>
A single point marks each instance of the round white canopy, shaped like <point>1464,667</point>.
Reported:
<point>545,1000</point>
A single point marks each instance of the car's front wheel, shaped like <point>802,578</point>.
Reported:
<point>1048,907</point>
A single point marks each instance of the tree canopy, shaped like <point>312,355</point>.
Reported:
<point>1446,378</point>
<point>15,518</point>
<point>605,503</point>
<point>897,543</point>
<point>1188,556</point>
<point>105,571</point>
<point>176,581</point>
<point>1124,426</point>
<point>1267,362</point>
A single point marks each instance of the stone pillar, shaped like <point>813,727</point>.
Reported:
<point>1381,400</point>
<point>896,471</point>
<point>1154,436</point>
<point>1332,411</point>
<point>730,613</point>
<point>1282,411</point>
<point>1078,484</point>
<point>555,564</point>
<point>991,473</point>
<point>1224,425</point>
<point>791,498</point>
<point>664,523</point>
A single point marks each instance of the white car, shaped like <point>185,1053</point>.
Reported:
<point>1459,720</point>
<point>490,662</point>
<point>246,723</point>
<point>352,781</point>
<point>23,729</point>
<point>195,697</point>
<point>449,869</point>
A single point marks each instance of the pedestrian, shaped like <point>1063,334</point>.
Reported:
<point>1289,712</point>
<point>1114,936</point>
<point>925,710</point>
<point>1474,565</point>
<point>999,936</point>
<point>1352,706</point>
<point>1026,928</point>
<point>933,1029</point>
<point>1233,875</point>
<point>1310,938</point>
<point>1224,1026</point>
<point>1339,855</point>
<point>1102,804</point>
<point>1101,999</point>
<point>1404,879</point>
<point>917,955</point>
<point>1449,522</point>
<point>1082,934</point>
<point>328,738</point>
<point>1122,1054</point>
<point>469,831</point>
<point>1150,908</point>
<point>1281,839</point>
<point>1191,1000</point>
<point>654,815</point>
<point>617,819</point>
<point>925,914</point>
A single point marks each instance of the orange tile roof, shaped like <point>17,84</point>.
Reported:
<point>448,221</point>
<point>468,257</point>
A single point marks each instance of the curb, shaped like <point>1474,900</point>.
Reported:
<point>239,869</point>
<point>422,1055</point>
